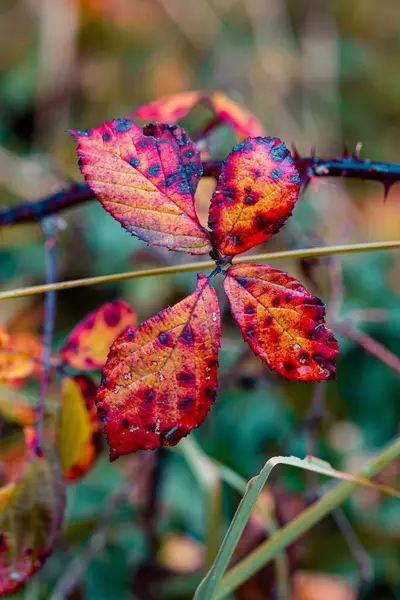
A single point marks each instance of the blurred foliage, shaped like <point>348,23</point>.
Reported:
<point>319,74</point>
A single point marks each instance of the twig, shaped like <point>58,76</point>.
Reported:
<point>194,266</point>
<point>49,317</point>
<point>370,345</point>
<point>312,166</point>
<point>358,551</point>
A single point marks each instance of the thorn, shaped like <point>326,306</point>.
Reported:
<point>386,189</point>
<point>358,149</point>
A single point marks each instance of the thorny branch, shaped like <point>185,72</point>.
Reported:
<point>309,167</point>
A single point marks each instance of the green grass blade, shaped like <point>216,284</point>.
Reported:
<point>207,590</point>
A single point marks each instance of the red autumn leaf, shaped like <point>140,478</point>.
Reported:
<point>89,342</point>
<point>31,513</point>
<point>256,193</point>
<point>146,180</point>
<point>79,438</point>
<point>237,116</point>
<point>160,381</point>
<point>171,108</point>
<point>281,322</point>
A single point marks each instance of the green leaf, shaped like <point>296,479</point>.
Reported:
<point>211,588</point>
<point>31,513</point>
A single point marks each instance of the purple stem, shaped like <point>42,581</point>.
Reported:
<point>346,166</point>
<point>49,317</point>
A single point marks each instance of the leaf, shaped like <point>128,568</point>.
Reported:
<point>15,410</point>
<point>31,513</point>
<point>79,438</point>
<point>89,342</point>
<point>212,588</point>
<point>255,195</point>
<point>171,108</point>
<point>281,322</point>
<point>20,357</point>
<point>159,382</point>
<point>237,116</point>
<point>146,180</point>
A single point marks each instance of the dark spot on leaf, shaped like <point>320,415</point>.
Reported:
<point>125,423</point>
<point>187,334</point>
<point>276,174</point>
<point>276,301</point>
<point>249,309</point>
<point>288,298</point>
<point>288,366</point>
<point>318,358</point>
<point>149,395</point>
<point>163,338</point>
<point>106,137</point>
<point>303,355</point>
<point>189,153</point>
<point>257,174</point>
<point>250,200</point>
<point>212,362</point>
<point>143,144</point>
<point>112,316</point>
<point>130,334</point>
<point>211,392</point>
<point>268,320</point>
<point>123,125</point>
<point>245,145</point>
<point>278,151</point>
<point>185,376</point>
<point>154,170</point>
<point>89,323</point>
<point>186,402</point>
<point>170,179</point>
<point>250,331</point>
<point>151,427</point>
<point>236,240</point>
<point>104,380</point>
<point>134,162</point>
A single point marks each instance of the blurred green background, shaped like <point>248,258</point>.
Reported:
<point>317,74</point>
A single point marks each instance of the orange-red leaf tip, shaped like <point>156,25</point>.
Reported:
<point>160,381</point>
<point>89,342</point>
<point>282,323</point>
<point>255,195</point>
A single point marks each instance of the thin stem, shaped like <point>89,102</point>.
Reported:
<point>49,316</point>
<point>268,256</point>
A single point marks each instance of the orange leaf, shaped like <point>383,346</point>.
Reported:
<point>80,440</point>
<point>159,382</point>
<point>169,109</point>
<point>256,193</point>
<point>281,322</point>
<point>146,181</point>
<point>16,410</point>
<point>239,118</point>
<point>20,357</point>
<point>31,512</point>
<point>89,342</point>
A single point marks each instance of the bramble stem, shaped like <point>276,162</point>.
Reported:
<point>308,166</point>
<point>170,270</point>
<point>49,317</point>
